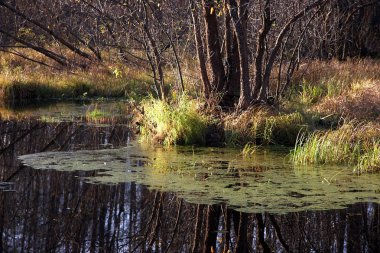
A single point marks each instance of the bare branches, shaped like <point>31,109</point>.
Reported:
<point>46,29</point>
<point>237,43</point>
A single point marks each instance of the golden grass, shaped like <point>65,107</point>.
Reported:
<point>93,83</point>
<point>348,72</point>
<point>264,126</point>
<point>21,79</point>
<point>361,103</point>
<point>349,89</point>
<point>110,78</point>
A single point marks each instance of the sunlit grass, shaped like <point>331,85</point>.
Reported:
<point>282,128</point>
<point>350,89</point>
<point>174,123</point>
<point>353,144</point>
<point>23,80</point>
<point>96,114</point>
<point>264,127</point>
<point>370,161</point>
<point>249,149</point>
<point>66,86</point>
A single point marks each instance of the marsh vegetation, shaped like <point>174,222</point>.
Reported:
<point>242,110</point>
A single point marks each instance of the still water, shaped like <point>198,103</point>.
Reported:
<point>94,189</point>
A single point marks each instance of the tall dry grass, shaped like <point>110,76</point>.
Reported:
<point>22,79</point>
<point>350,89</point>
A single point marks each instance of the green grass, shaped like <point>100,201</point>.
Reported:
<point>174,123</point>
<point>263,128</point>
<point>249,149</point>
<point>309,93</point>
<point>370,161</point>
<point>279,129</point>
<point>96,114</point>
<point>70,87</point>
<point>351,144</point>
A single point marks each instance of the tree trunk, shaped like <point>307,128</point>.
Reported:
<point>281,35</point>
<point>233,66</point>
<point>213,46</point>
<point>58,58</point>
<point>200,50</point>
<point>155,54</point>
<point>239,16</point>
<point>260,90</point>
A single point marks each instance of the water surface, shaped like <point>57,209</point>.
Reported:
<point>264,182</point>
<point>122,197</point>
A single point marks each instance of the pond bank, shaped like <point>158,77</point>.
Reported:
<point>23,80</point>
<point>325,99</point>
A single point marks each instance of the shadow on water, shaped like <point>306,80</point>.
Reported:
<point>58,211</point>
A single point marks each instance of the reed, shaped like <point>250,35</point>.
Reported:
<point>352,144</point>
<point>249,149</point>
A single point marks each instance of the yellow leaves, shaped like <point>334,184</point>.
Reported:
<point>23,31</point>
<point>117,72</point>
<point>102,29</point>
<point>219,10</point>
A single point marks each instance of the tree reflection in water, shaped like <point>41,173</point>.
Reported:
<point>52,211</point>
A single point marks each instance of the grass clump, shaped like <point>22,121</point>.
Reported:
<point>96,114</point>
<point>23,80</point>
<point>279,129</point>
<point>249,149</point>
<point>262,126</point>
<point>352,144</point>
<point>174,123</point>
<point>309,93</point>
<point>69,86</point>
<point>370,161</point>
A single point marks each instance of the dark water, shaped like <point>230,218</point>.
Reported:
<point>56,211</point>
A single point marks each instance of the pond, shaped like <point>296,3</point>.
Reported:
<point>78,186</point>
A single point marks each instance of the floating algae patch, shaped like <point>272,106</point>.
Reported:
<point>264,182</point>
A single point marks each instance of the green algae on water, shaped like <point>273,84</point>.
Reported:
<point>264,182</point>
